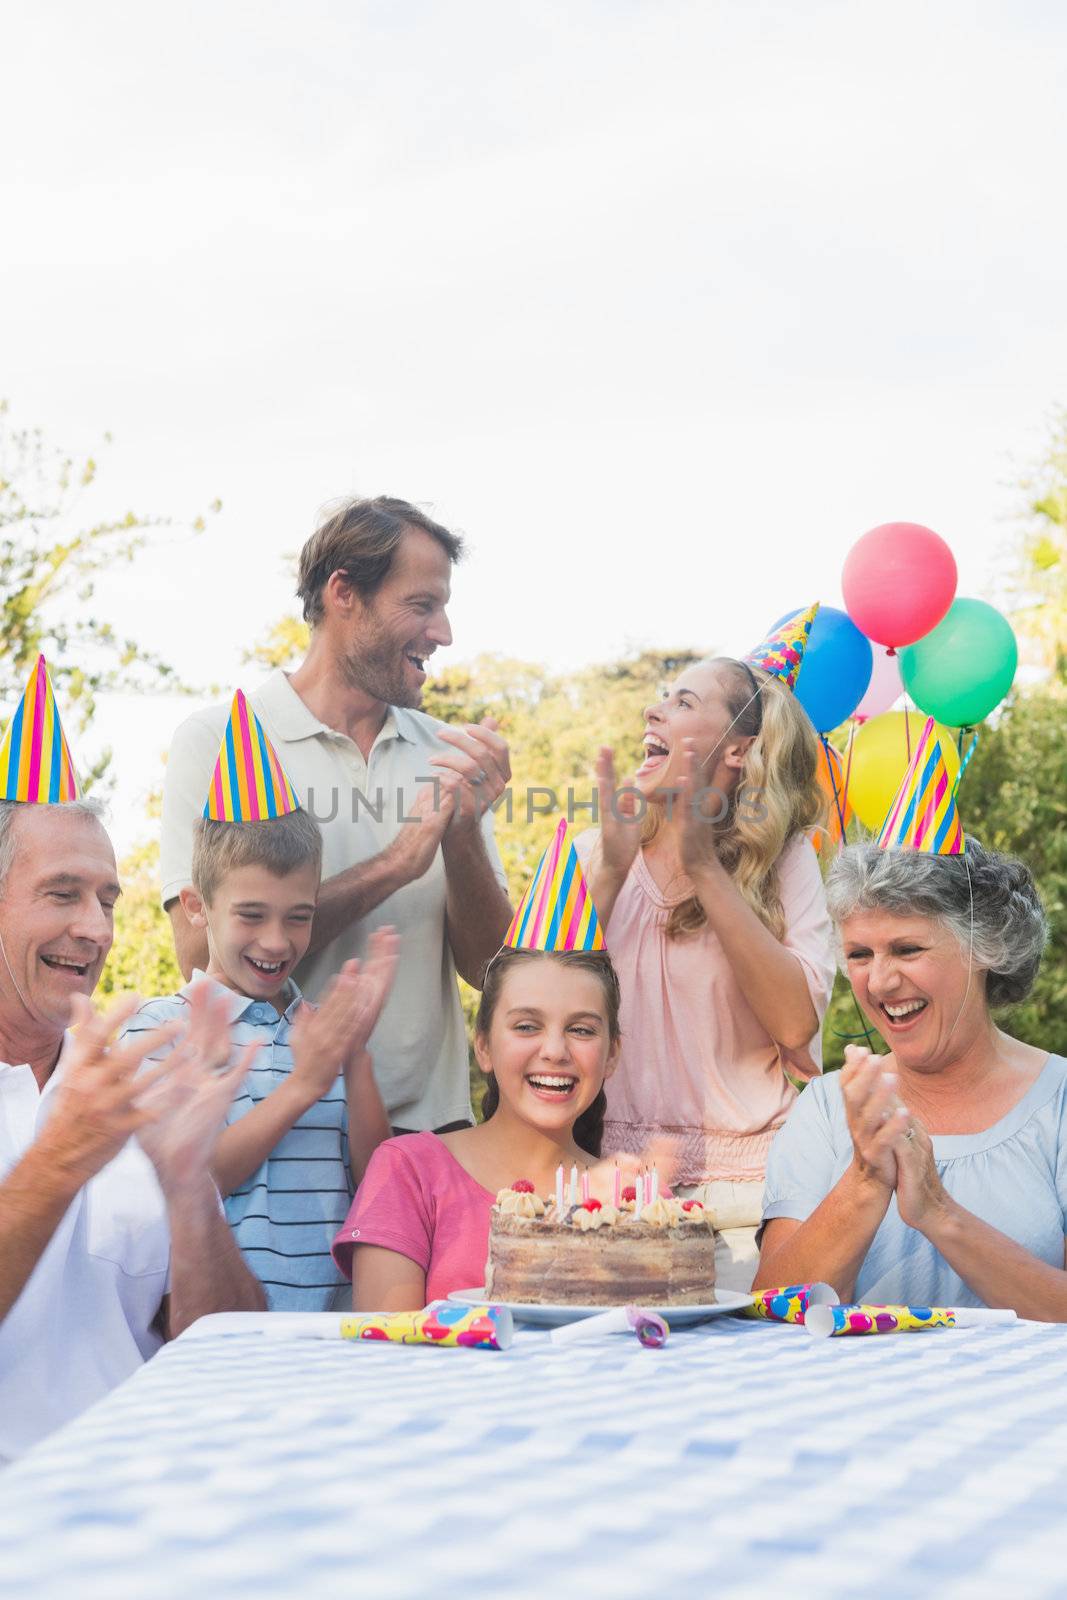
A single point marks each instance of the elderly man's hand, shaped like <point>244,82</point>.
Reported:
<point>97,1102</point>
<point>476,766</point>
<point>875,1115</point>
<point>187,1100</point>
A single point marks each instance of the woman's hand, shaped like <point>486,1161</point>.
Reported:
<point>921,1196</point>
<point>620,823</point>
<point>699,814</point>
<point>876,1118</point>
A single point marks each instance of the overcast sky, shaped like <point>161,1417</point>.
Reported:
<point>662,304</point>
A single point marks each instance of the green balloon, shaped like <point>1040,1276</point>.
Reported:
<point>964,667</point>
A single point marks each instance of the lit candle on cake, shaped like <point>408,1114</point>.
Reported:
<point>559,1190</point>
<point>618,1187</point>
<point>639,1197</point>
<point>655,1185</point>
<point>572,1188</point>
<point>585,1185</point>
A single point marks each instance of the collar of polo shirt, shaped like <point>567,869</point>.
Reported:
<point>240,1003</point>
<point>290,718</point>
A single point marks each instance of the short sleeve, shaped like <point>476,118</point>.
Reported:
<point>190,763</point>
<point>391,1209</point>
<point>152,1015</point>
<point>808,936</point>
<point>802,1160</point>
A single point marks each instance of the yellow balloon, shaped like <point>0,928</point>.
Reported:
<point>880,760</point>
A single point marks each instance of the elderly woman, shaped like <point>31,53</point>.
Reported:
<point>936,1174</point>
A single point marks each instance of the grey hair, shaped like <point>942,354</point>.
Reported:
<point>9,810</point>
<point>993,895</point>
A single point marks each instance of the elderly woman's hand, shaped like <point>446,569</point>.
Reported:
<point>921,1196</point>
<point>876,1118</point>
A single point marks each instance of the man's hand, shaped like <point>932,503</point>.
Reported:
<point>478,763</point>
<point>412,851</point>
<point>99,1099</point>
<point>186,1101</point>
<point>325,1038</point>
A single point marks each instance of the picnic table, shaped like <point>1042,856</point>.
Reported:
<point>742,1458</point>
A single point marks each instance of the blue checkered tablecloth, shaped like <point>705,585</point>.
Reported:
<point>742,1458</point>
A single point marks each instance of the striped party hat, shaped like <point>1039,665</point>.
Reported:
<point>249,783</point>
<point>782,652</point>
<point>556,912</point>
<point>923,816</point>
<point>35,764</point>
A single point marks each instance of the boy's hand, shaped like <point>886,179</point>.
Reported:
<point>325,1038</point>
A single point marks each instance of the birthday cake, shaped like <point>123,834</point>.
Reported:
<point>595,1254</point>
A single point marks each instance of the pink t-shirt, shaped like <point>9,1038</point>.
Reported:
<point>416,1199</point>
<point>697,1066</point>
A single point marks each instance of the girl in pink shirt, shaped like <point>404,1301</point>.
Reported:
<point>547,1038</point>
<point>712,904</point>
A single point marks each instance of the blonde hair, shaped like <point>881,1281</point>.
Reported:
<point>777,795</point>
<point>281,844</point>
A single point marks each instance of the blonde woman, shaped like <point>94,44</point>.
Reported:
<point>710,894</point>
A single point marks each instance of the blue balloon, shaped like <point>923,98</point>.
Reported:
<point>836,668</point>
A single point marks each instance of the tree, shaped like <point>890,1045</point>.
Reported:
<point>1041,574</point>
<point>54,550</point>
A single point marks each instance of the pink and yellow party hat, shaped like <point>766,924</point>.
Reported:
<point>923,816</point>
<point>782,652</point>
<point>249,783</point>
<point>557,911</point>
<point>35,764</point>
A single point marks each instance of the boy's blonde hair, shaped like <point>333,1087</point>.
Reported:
<point>282,845</point>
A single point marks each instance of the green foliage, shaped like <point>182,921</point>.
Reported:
<point>1041,577</point>
<point>142,959</point>
<point>54,549</point>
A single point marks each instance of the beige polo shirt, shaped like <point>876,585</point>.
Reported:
<point>420,1045</point>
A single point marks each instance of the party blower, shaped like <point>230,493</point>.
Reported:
<point>816,1308</point>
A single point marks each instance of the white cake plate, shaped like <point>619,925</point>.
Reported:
<point>544,1316</point>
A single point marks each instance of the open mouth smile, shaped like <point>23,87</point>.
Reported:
<point>656,752</point>
<point>902,1014</point>
<point>78,969</point>
<point>552,1085</point>
<point>267,969</point>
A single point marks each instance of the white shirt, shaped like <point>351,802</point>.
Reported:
<point>84,1320</point>
<point>419,1045</point>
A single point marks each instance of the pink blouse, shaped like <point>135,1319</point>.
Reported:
<point>416,1199</point>
<point>698,1068</point>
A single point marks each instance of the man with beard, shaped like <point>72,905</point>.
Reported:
<point>403,801</point>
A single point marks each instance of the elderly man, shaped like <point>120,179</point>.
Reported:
<point>111,1235</point>
<point>403,801</point>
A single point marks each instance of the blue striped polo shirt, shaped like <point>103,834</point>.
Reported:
<point>285,1214</point>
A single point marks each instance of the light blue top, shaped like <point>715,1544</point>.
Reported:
<point>1013,1176</point>
<point>285,1214</point>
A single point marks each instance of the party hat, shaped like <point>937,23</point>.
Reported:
<point>35,764</point>
<point>782,651</point>
<point>557,911</point>
<point>249,782</point>
<point>923,816</point>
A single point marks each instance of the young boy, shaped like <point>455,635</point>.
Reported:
<point>304,1123</point>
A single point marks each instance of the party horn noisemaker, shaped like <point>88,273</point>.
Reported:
<point>790,1304</point>
<point>443,1322</point>
<point>831,1321</point>
<point>652,1330</point>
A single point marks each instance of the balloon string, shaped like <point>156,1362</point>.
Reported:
<point>966,759</point>
<point>833,783</point>
<point>907,728</point>
<point>848,762</point>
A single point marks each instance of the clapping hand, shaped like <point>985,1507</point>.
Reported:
<point>98,1101</point>
<point>325,1037</point>
<point>619,818</point>
<point>700,812</point>
<point>877,1119</point>
<point>476,769</point>
<point>185,1099</point>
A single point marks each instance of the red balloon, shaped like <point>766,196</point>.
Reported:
<point>898,582</point>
